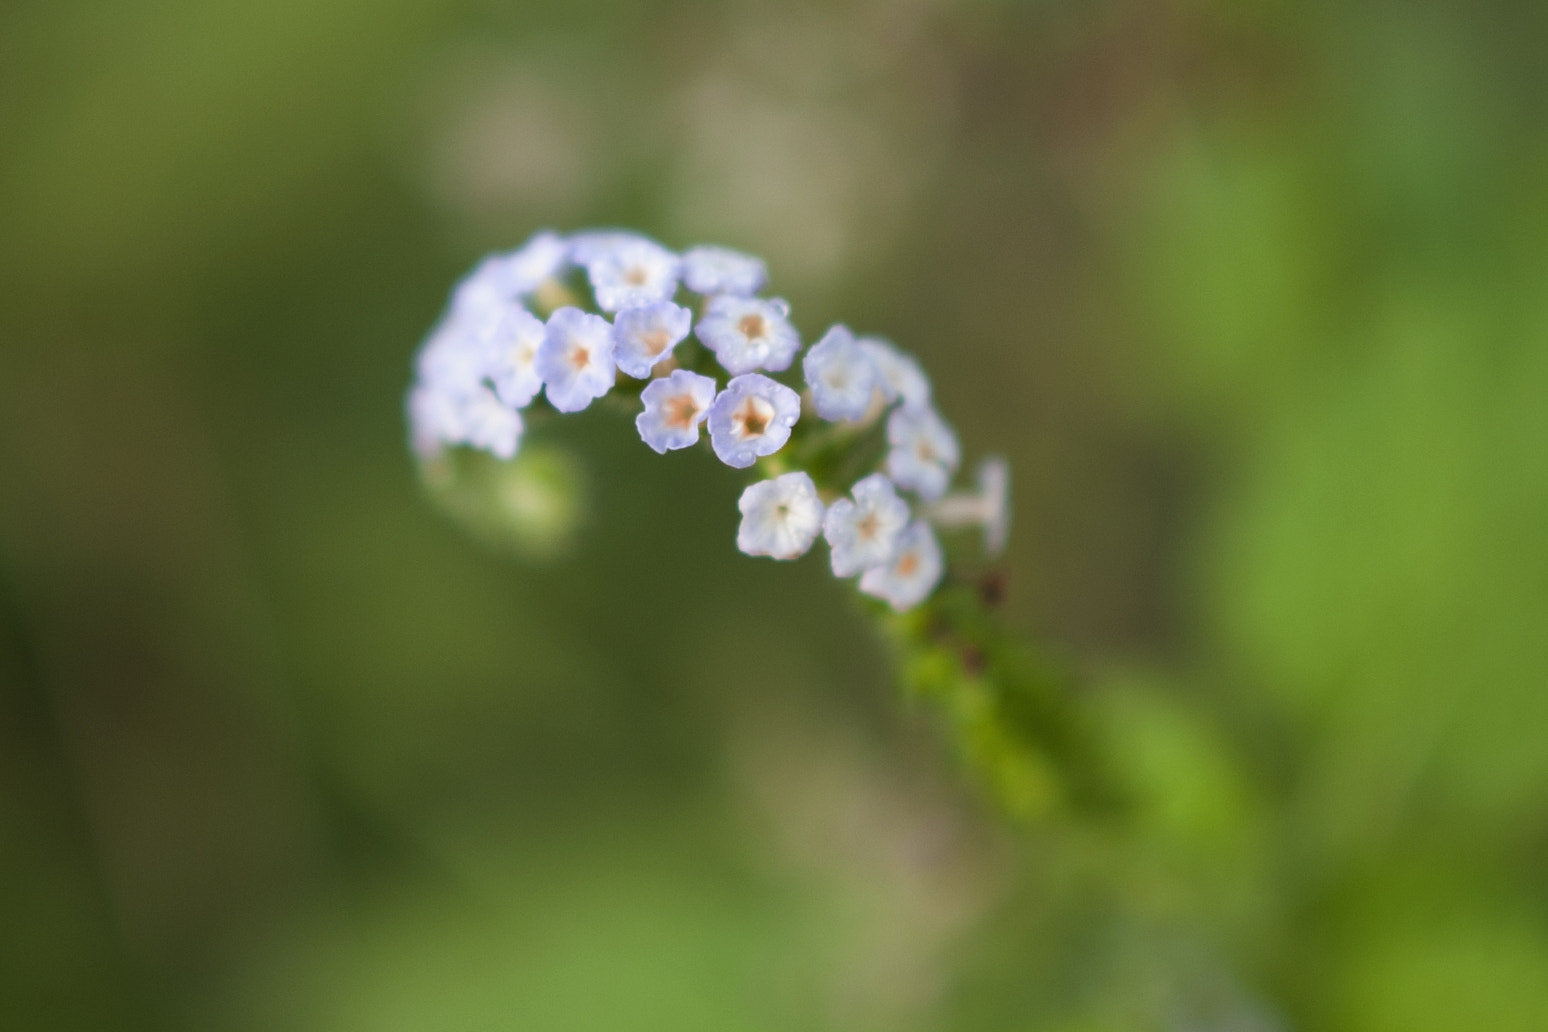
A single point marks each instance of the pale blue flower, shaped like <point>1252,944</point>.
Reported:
<point>490,424</point>
<point>481,297</point>
<point>674,407</point>
<point>840,374</point>
<point>647,334</point>
<point>899,375</point>
<point>780,517</point>
<point>435,418</point>
<point>590,244</point>
<point>575,359</point>
<point>752,417</point>
<point>924,452</point>
<point>913,572</point>
<point>440,415</point>
<point>512,357</point>
<point>989,507</point>
<point>455,357</point>
<point>748,333</point>
<point>720,270</point>
<point>631,272</point>
<point>482,314</point>
<point>864,532</point>
<point>525,269</point>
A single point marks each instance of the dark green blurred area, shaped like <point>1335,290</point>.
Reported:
<point>1254,296</point>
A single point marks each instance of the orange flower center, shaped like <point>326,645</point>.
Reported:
<point>752,418</point>
<point>753,325</point>
<point>680,412</point>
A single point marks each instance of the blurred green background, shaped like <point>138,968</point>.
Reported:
<point>1254,295</point>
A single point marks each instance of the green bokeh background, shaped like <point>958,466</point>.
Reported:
<point>1254,296</point>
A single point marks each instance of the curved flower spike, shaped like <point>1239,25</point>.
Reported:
<point>780,517</point>
<point>488,357</point>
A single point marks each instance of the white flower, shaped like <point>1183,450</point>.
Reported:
<point>590,244</point>
<point>989,507</point>
<point>780,517</point>
<point>631,272</point>
<point>523,270</point>
<point>864,533</point>
<point>575,359</point>
<point>898,375</point>
<point>924,451</point>
<point>481,297</point>
<point>752,417</point>
<point>912,574</point>
<point>674,407</point>
<point>720,270</point>
<point>455,357</point>
<point>512,357</point>
<point>840,374</point>
<point>440,415</point>
<point>647,334</point>
<point>748,333</point>
<point>490,424</point>
<point>435,419</point>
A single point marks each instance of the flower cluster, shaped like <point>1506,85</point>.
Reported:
<point>518,327</point>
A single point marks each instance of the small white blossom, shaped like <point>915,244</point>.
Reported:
<point>512,357</point>
<point>752,417</point>
<point>490,424</point>
<point>840,374</point>
<point>864,532</point>
<point>523,270</point>
<point>589,244</point>
<point>748,333</point>
<point>575,359</point>
<point>780,517</point>
<point>439,416</point>
<point>435,419</point>
<point>898,375</point>
<point>631,272</point>
<point>989,507</point>
<point>674,407</point>
<point>481,297</point>
<point>483,311</point>
<point>720,270</point>
<point>924,451</point>
<point>647,334</point>
<point>915,569</point>
<point>455,357</point>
